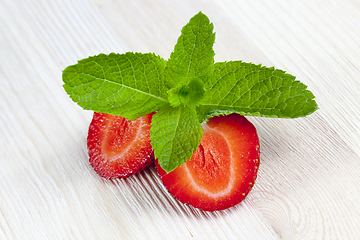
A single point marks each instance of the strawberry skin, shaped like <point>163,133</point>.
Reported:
<point>223,169</point>
<point>117,147</point>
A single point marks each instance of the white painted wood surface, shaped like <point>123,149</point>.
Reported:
<point>308,184</point>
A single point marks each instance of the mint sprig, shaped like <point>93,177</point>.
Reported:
<point>186,90</point>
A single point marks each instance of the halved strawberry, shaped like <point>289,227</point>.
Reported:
<point>117,147</point>
<point>223,169</point>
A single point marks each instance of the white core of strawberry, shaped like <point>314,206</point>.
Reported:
<point>228,189</point>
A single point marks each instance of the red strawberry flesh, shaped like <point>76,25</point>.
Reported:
<point>117,147</point>
<point>223,169</point>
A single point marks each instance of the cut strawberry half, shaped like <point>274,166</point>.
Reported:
<point>223,169</point>
<point>117,147</point>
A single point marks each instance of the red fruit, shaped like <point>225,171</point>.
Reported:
<point>117,147</point>
<point>223,169</point>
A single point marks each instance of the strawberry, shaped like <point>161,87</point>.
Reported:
<point>117,147</point>
<point>223,169</point>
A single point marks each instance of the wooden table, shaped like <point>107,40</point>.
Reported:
<point>308,183</point>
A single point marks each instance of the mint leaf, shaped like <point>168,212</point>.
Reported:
<point>175,134</point>
<point>254,90</point>
<point>130,85</point>
<point>193,55</point>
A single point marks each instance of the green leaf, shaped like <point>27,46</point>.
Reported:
<point>254,90</point>
<point>175,134</point>
<point>130,85</point>
<point>193,55</point>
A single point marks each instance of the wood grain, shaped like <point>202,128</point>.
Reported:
<point>308,180</point>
